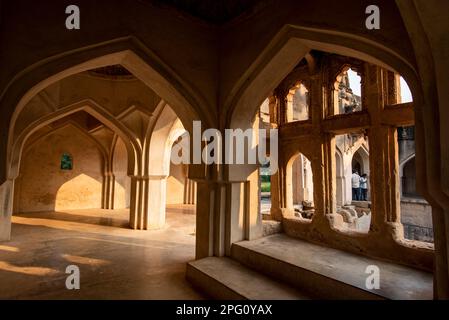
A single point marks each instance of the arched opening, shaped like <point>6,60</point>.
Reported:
<point>93,79</point>
<point>347,91</point>
<point>268,78</point>
<point>120,163</point>
<point>416,212</point>
<point>300,187</point>
<point>408,180</point>
<point>357,164</point>
<point>406,94</point>
<point>181,194</point>
<point>75,179</point>
<point>298,103</point>
<point>266,117</point>
<point>264,111</point>
<point>352,178</point>
<point>360,168</point>
<point>265,189</point>
<point>372,119</point>
<point>222,76</point>
<point>62,169</point>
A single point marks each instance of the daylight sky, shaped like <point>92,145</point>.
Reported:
<point>354,82</point>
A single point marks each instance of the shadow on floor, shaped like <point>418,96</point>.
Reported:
<point>114,263</point>
<point>111,221</point>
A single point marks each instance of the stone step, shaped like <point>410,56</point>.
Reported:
<point>226,279</point>
<point>327,273</point>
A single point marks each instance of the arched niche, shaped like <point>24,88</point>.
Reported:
<point>360,161</point>
<point>297,104</point>
<point>299,190</point>
<point>87,106</point>
<point>48,183</point>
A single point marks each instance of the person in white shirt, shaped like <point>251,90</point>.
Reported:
<point>355,180</point>
<point>364,187</point>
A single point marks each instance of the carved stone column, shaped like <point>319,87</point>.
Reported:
<point>138,211</point>
<point>108,189</point>
<point>148,200</point>
<point>330,174</point>
<point>210,211</point>
<point>320,158</point>
<point>189,190</point>
<point>6,198</point>
<point>384,171</point>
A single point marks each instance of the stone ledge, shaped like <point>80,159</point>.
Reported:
<point>226,279</point>
<point>329,273</point>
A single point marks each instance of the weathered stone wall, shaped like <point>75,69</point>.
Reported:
<point>416,212</point>
<point>122,187</point>
<point>43,186</point>
<point>175,184</point>
<point>315,138</point>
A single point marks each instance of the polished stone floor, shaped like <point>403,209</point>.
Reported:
<point>114,262</point>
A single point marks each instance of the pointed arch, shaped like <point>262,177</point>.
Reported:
<point>300,175</point>
<point>88,106</point>
<point>166,129</point>
<point>46,151</point>
<point>362,151</point>
<point>76,126</point>
<point>404,162</point>
<point>286,50</point>
<point>127,51</point>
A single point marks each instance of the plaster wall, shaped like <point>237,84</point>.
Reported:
<point>43,186</point>
<point>344,184</point>
<point>122,187</point>
<point>302,184</point>
<point>175,184</point>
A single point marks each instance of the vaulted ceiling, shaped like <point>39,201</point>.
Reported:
<point>212,11</point>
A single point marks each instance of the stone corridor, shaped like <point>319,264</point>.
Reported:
<point>140,147</point>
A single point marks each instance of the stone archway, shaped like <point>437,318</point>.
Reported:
<point>96,111</point>
<point>360,160</point>
<point>264,78</point>
<point>88,106</point>
<point>341,179</point>
<point>180,97</point>
<point>79,186</point>
<point>291,45</point>
<point>277,60</point>
<point>299,181</point>
<point>408,178</point>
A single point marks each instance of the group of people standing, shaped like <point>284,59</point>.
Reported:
<point>359,186</point>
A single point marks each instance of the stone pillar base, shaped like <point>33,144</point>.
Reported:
<point>6,197</point>
<point>148,198</point>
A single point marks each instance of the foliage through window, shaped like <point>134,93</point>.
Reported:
<point>66,162</point>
